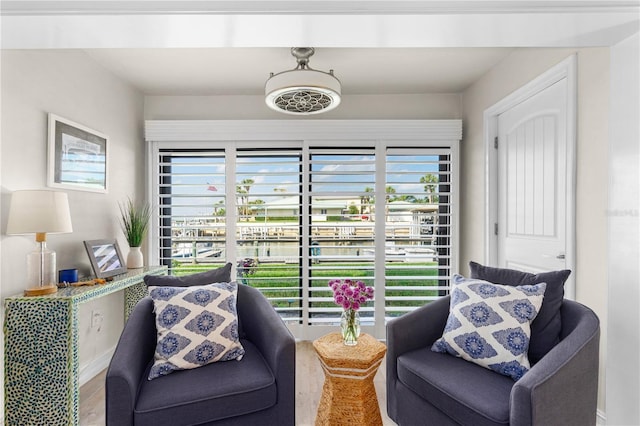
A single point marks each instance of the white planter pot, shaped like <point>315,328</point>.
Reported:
<point>135,259</point>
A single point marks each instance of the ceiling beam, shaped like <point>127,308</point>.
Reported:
<point>67,24</point>
<point>310,7</point>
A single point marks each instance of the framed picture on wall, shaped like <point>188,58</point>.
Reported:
<point>77,156</point>
<point>106,258</point>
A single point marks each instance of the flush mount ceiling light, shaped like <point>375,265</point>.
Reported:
<point>302,90</point>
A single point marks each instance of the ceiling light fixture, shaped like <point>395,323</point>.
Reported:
<point>302,90</point>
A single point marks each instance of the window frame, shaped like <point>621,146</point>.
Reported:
<point>302,134</point>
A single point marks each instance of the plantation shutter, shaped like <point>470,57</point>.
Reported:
<point>194,217</point>
<point>340,204</point>
<point>268,216</point>
<point>292,214</point>
<point>417,228</point>
<point>341,211</point>
<point>191,209</point>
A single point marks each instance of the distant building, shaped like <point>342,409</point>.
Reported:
<point>290,206</point>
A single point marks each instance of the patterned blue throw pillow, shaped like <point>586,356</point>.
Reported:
<point>196,326</point>
<point>490,324</point>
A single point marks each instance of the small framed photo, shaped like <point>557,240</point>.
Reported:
<point>106,258</point>
<point>77,156</point>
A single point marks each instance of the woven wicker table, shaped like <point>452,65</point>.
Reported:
<point>348,394</point>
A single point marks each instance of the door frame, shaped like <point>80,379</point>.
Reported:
<point>565,69</point>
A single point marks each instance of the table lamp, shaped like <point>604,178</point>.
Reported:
<point>40,212</point>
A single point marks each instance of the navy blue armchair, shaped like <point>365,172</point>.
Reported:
<point>259,389</point>
<point>429,388</point>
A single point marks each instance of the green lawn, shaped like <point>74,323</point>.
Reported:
<point>281,281</point>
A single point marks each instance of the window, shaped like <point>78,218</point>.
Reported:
<point>342,242</point>
<point>417,237</point>
<point>267,195</point>
<point>299,213</point>
<point>191,209</point>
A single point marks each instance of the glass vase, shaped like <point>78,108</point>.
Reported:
<point>350,326</point>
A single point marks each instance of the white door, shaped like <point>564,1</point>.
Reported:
<point>532,182</point>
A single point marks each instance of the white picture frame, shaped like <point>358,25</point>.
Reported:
<point>77,156</point>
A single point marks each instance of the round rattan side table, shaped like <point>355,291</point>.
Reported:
<point>348,394</point>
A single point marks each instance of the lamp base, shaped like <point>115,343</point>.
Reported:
<point>40,291</point>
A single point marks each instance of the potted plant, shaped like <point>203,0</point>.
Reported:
<point>135,223</point>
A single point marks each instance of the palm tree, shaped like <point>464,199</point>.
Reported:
<point>366,200</point>
<point>218,211</point>
<point>431,182</point>
<point>242,190</point>
<point>390,190</point>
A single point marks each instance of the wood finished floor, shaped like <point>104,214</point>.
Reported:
<point>309,380</point>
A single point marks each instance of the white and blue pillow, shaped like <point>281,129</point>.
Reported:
<point>490,324</point>
<point>196,326</point>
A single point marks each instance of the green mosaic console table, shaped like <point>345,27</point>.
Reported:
<point>41,349</point>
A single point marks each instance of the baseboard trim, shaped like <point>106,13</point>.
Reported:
<point>94,368</point>
<point>601,418</point>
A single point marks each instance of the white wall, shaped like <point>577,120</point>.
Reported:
<point>592,143</point>
<point>623,368</point>
<point>429,106</point>
<point>70,84</point>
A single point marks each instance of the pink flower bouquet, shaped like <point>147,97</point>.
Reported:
<point>350,294</point>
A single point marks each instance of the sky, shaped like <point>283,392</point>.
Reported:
<point>198,182</point>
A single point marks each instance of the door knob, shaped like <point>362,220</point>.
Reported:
<point>560,256</point>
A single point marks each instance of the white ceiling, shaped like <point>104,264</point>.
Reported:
<point>243,71</point>
<point>373,46</point>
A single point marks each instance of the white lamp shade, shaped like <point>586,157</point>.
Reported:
<point>35,211</point>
